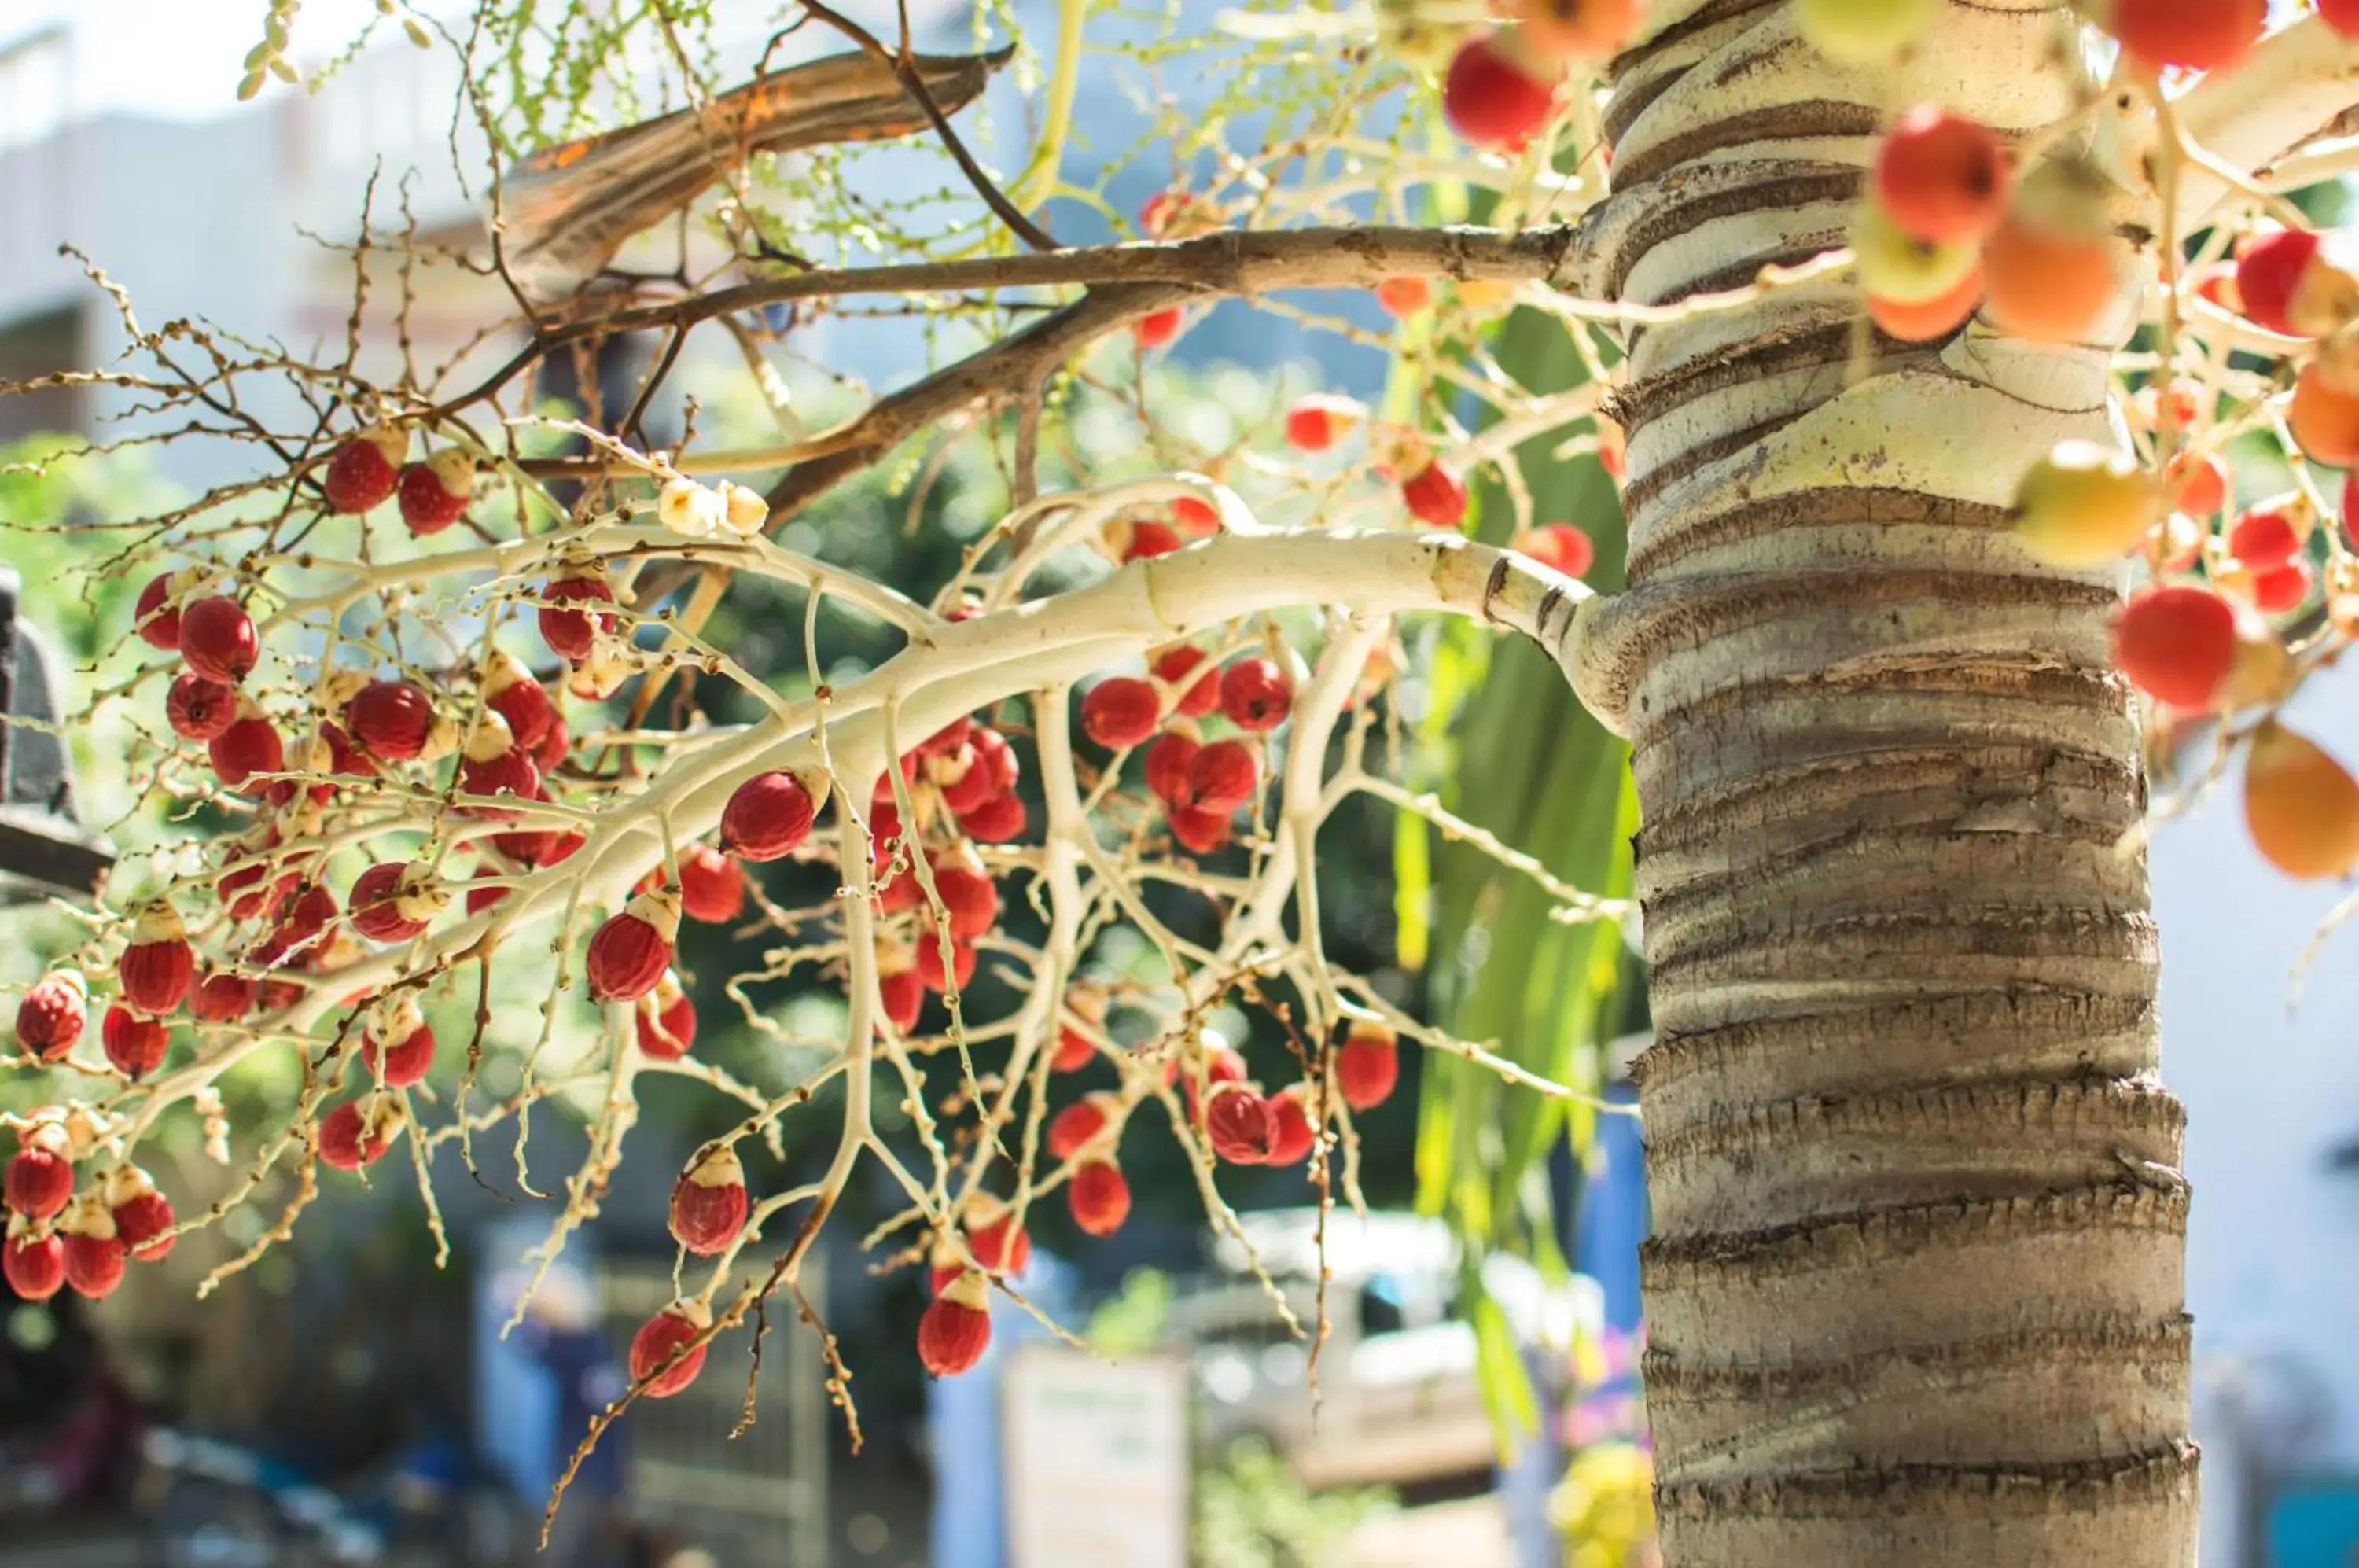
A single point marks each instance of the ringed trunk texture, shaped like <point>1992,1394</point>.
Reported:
<point>1913,1295</point>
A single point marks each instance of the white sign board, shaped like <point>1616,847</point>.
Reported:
<point>1097,1459</point>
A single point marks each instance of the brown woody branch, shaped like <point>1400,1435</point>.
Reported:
<point>1127,282</point>
<point>1230,262</point>
<point>1217,265</point>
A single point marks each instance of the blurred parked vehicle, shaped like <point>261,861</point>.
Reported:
<point>1397,1399</point>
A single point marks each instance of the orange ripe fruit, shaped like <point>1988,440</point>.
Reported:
<point>1584,29</point>
<point>1400,298</point>
<point>1941,176</point>
<point>2301,805</point>
<point>1931,318</point>
<point>2177,643</point>
<point>2048,285</point>
<point>2324,423</point>
<point>2196,483</point>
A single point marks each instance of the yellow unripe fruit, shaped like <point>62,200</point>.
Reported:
<point>1895,265</point>
<point>2083,505</point>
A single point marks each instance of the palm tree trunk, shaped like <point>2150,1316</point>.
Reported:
<point>1913,1295</point>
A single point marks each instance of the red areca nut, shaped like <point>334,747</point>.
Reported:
<point>998,819</point>
<point>994,1238</point>
<point>903,996</point>
<point>516,697</point>
<point>493,766</point>
<point>1435,495</point>
<point>770,815</point>
<point>1239,1123</point>
<point>1942,176</point>
<point>35,1267</point>
<point>435,492</point>
<point>1141,539</point>
<point>2192,35</point>
<point>2197,484</point>
<point>666,1019</point>
<point>394,900</point>
<point>133,1043</point>
<point>1168,761</point>
<point>1196,686</point>
<point>222,997</point>
<point>665,1355</point>
<point>1317,422</point>
<point>1403,297</point>
<point>1220,1063</point>
<point>95,1255</point>
<point>1121,712</point>
<point>956,1328</point>
<point>1256,694</point>
<point>365,471</point>
<point>1562,547</point>
<point>2271,532</point>
<point>1292,1136</point>
<point>391,719</point>
<point>709,1203</point>
<point>1497,92</point>
<point>157,615</point>
<point>39,1180</point>
<point>2297,283</point>
<point>250,744</point>
<point>1195,516</point>
<point>630,953</point>
<point>931,974</point>
<point>1158,328</point>
<point>359,1131</point>
<point>1098,1197</point>
<point>218,640</point>
<point>1076,1047</point>
<point>1368,1066</point>
<point>157,965</point>
<point>409,1056</point>
<point>970,898</point>
<point>1084,1124</point>
<point>143,1216</point>
<point>199,709</point>
<point>573,633</point>
<point>52,1014</point>
<point>1224,776</point>
<point>712,886</point>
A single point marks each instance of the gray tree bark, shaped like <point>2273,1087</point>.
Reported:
<point>1913,1295</point>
